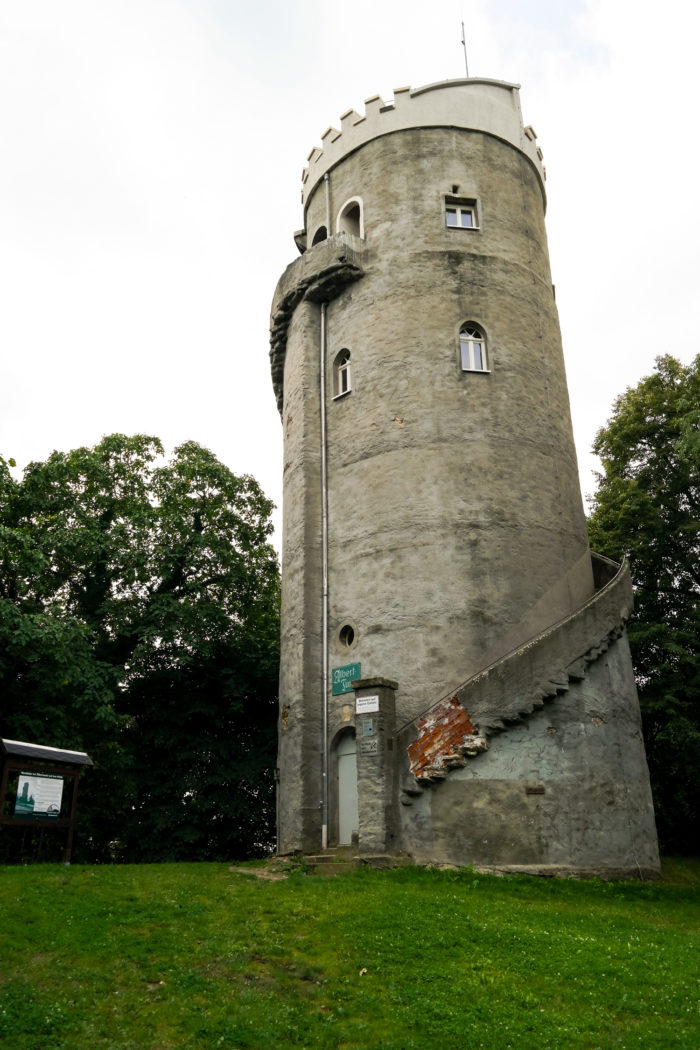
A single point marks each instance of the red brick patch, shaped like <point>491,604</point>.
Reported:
<point>445,735</point>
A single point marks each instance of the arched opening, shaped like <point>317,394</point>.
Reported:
<point>472,348</point>
<point>341,374</point>
<point>350,218</point>
<point>320,235</point>
<point>348,818</point>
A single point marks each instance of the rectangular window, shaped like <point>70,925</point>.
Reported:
<point>461,213</point>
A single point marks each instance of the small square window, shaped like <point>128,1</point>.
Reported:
<point>461,214</point>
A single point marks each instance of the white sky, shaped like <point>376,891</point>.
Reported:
<point>150,180</point>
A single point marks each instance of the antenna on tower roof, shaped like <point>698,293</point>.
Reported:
<point>464,41</point>
<point>464,45</point>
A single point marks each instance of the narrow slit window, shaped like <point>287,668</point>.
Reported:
<point>472,349</point>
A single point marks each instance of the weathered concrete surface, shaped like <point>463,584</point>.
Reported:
<point>567,785</point>
<point>566,790</point>
<point>456,530</point>
<point>300,670</point>
<point>376,767</point>
<point>317,277</point>
<point>453,497</point>
<point>476,104</point>
<point>543,666</point>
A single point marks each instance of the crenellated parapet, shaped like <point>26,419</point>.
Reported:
<point>490,106</point>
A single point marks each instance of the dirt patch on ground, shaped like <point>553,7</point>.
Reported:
<point>273,870</point>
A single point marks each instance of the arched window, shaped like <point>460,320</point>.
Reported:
<point>341,374</point>
<point>320,235</point>
<point>350,218</point>
<point>472,348</point>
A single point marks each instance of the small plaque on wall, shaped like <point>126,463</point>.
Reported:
<point>341,677</point>
<point>369,747</point>
<point>366,704</point>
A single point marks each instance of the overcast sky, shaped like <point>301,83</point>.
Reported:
<point>150,186</point>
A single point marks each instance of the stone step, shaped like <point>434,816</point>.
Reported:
<point>332,862</point>
<point>333,853</point>
<point>342,867</point>
<point>343,861</point>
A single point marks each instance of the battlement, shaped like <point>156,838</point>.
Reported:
<point>491,106</point>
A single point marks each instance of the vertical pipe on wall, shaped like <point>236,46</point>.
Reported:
<point>324,573</point>
<point>327,184</point>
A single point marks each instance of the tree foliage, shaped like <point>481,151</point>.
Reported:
<point>647,507</point>
<point>139,620</point>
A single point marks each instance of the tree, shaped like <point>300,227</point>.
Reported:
<point>647,508</point>
<point>139,620</point>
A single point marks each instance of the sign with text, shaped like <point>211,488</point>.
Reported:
<point>341,677</point>
<point>365,704</point>
<point>39,796</point>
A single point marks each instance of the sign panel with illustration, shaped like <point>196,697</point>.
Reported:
<point>39,796</point>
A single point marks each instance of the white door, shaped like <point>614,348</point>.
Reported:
<point>348,817</point>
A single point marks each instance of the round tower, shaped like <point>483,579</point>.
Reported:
<point>433,520</point>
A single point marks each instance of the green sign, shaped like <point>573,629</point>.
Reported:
<point>341,677</point>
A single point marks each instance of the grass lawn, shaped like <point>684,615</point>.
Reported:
<point>199,956</point>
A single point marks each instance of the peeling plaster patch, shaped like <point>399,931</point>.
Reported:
<point>285,716</point>
<point>446,737</point>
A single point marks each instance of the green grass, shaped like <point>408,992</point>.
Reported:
<point>200,957</point>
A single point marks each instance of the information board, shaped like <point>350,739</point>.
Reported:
<point>39,796</point>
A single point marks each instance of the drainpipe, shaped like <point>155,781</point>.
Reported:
<point>324,573</point>
<point>327,183</point>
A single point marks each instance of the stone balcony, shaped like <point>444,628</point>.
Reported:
<point>319,275</point>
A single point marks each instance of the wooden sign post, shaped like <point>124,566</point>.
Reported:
<point>33,787</point>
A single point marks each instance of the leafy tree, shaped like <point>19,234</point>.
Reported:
<point>647,507</point>
<point>139,620</point>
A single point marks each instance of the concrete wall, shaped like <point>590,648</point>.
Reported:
<point>475,104</point>
<point>566,790</point>
<point>455,529</point>
<point>456,524</point>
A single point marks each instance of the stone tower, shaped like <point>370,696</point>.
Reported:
<point>455,680</point>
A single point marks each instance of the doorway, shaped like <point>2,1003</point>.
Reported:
<point>348,813</point>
